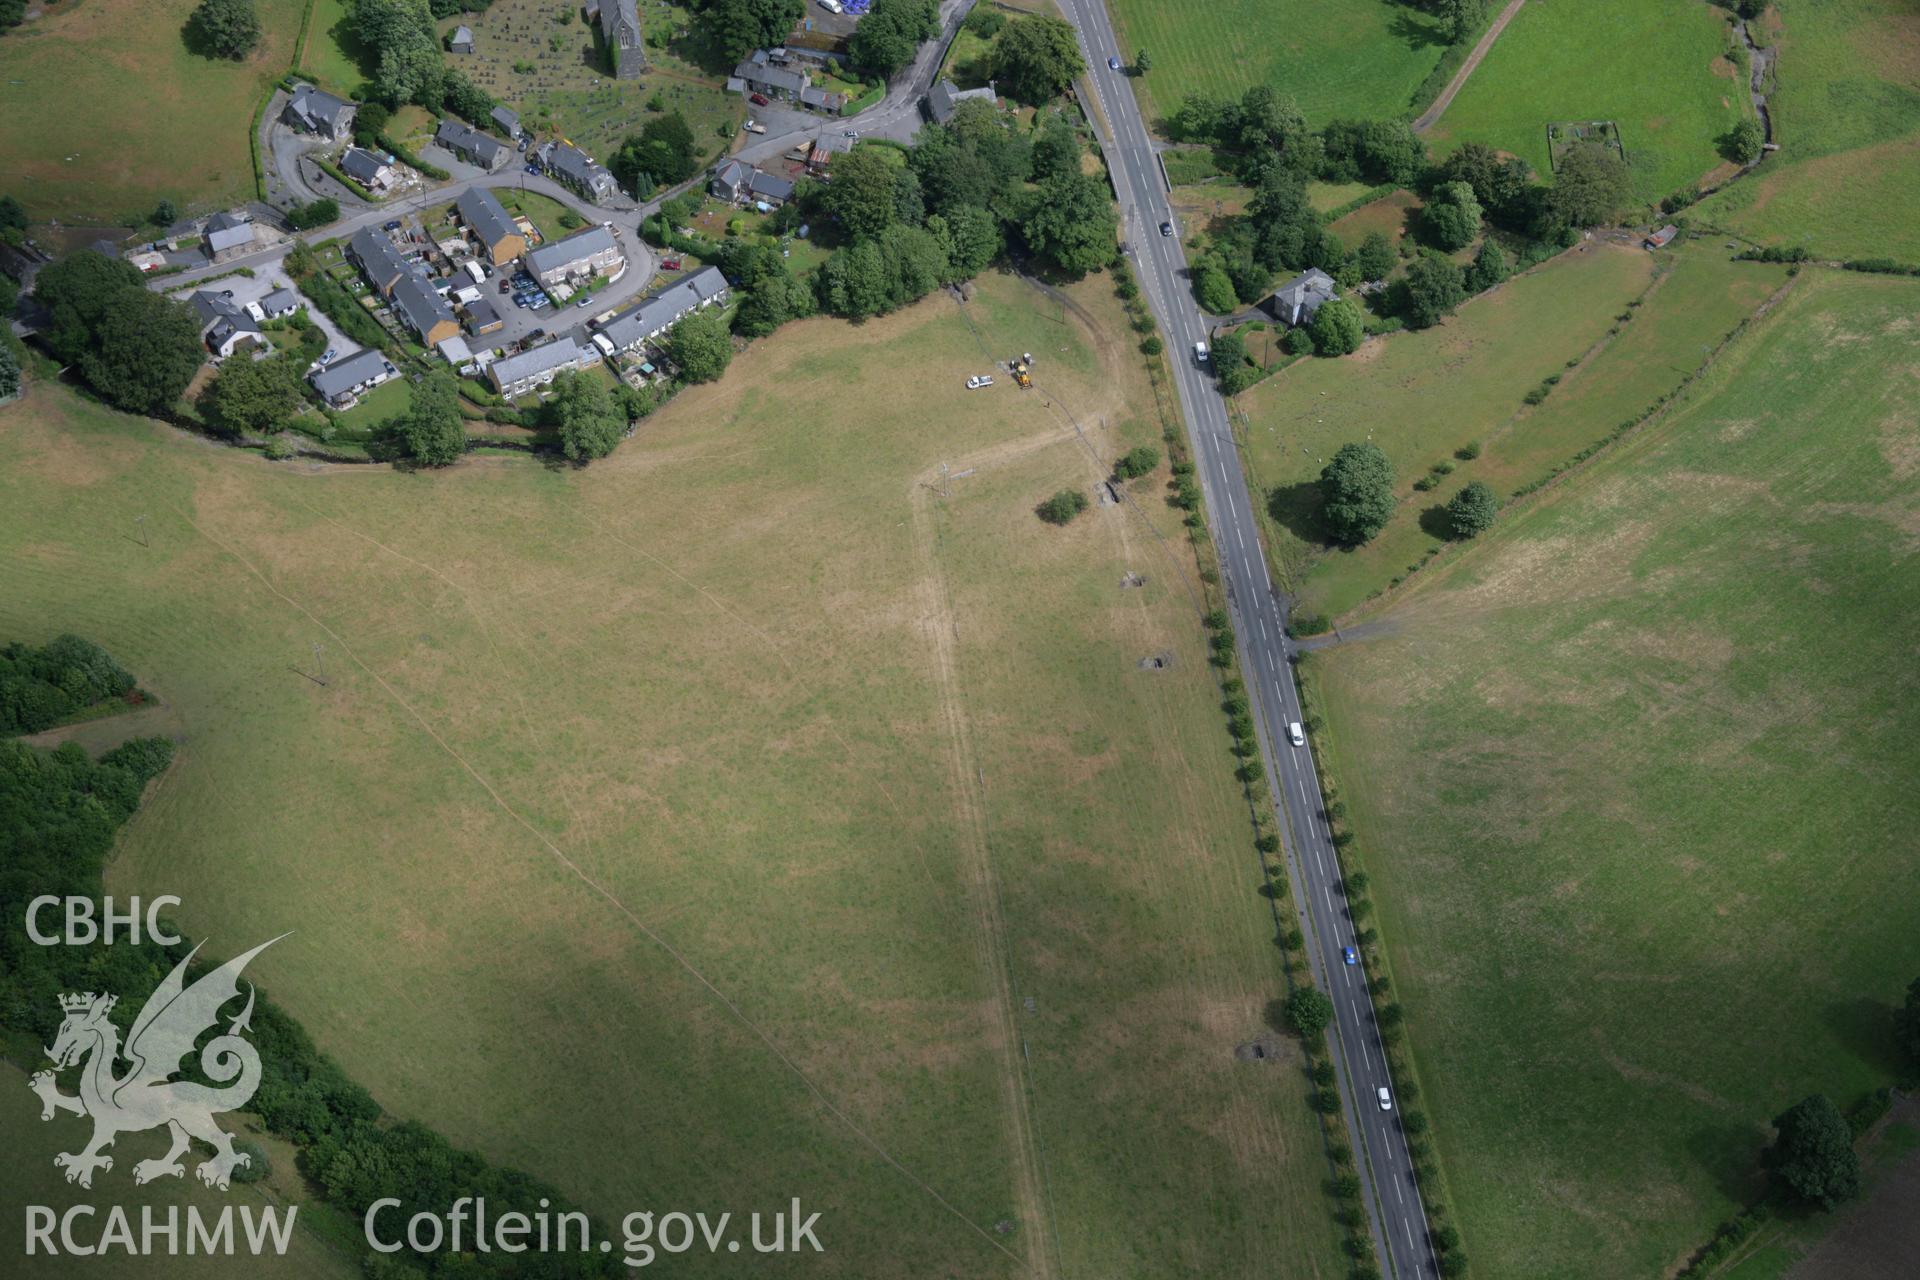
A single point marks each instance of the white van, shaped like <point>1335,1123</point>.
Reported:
<point>1199,353</point>
<point>1386,1099</point>
<point>1296,735</point>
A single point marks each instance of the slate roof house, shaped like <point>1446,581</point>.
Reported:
<point>584,254</point>
<point>619,23</point>
<point>224,325</point>
<point>380,262</point>
<point>507,118</point>
<point>370,169</point>
<point>228,237</point>
<point>578,170</point>
<point>342,383</point>
<point>741,183</point>
<point>482,317</point>
<point>759,75</point>
<point>314,110</point>
<point>515,376</point>
<point>473,146</point>
<point>945,98</point>
<point>424,310</point>
<point>461,41</point>
<point>491,225</point>
<point>278,305</point>
<point>661,312</point>
<point>1299,299</point>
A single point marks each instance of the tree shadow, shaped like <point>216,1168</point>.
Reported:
<point>1434,523</point>
<point>1730,1153</point>
<point>1865,1029</point>
<point>1274,1015</point>
<point>1417,34</point>
<point>1296,508</point>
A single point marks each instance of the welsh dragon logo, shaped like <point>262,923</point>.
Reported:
<point>145,1097</point>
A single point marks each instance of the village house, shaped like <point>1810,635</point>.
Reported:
<point>705,288</point>
<point>619,24</point>
<point>379,261</point>
<point>579,257</point>
<point>500,240</point>
<point>228,237</point>
<point>342,383</point>
<point>576,169</point>
<point>316,111</point>
<point>1298,300</point>
<point>508,119</point>
<point>424,310</point>
<point>945,98</point>
<point>371,169</point>
<point>476,148</point>
<point>225,326</point>
<point>759,74</point>
<point>482,318</point>
<point>515,376</point>
<point>278,305</point>
<point>737,182</point>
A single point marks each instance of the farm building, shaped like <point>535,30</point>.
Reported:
<point>500,240</point>
<point>1663,237</point>
<point>228,237</point>
<point>580,256</point>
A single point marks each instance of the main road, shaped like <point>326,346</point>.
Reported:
<point>1266,654</point>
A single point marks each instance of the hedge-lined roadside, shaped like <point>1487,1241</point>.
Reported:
<point>1389,1015</point>
<point>1251,773</point>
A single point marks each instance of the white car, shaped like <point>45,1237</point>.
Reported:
<point>1386,1099</point>
<point>978,381</point>
<point>1296,735</point>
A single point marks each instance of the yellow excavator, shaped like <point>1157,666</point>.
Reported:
<point>1022,370</point>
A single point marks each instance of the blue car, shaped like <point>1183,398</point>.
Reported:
<point>1349,955</point>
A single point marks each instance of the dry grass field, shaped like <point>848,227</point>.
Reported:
<point>763,812</point>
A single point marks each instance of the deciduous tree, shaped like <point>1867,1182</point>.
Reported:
<point>1071,221</point>
<point>700,347</point>
<point>230,28</point>
<point>1036,57</point>
<point>1309,1011</point>
<point>144,352</point>
<point>1471,511</point>
<point>1356,491</point>
<point>253,395</point>
<point>1813,1155</point>
<point>1433,287</point>
<point>1338,327</point>
<point>432,430</point>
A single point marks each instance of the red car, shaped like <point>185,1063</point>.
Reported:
<point>758,100</point>
<point>670,264</point>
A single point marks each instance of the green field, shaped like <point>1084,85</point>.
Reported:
<point>694,829</point>
<point>1633,779</point>
<point>1419,396</point>
<point>108,113</point>
<point>1424,396</point>
<point>333,54</point>
<point>1336,58</point>
<point>1846,112</point>
<point>1661,71</point>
